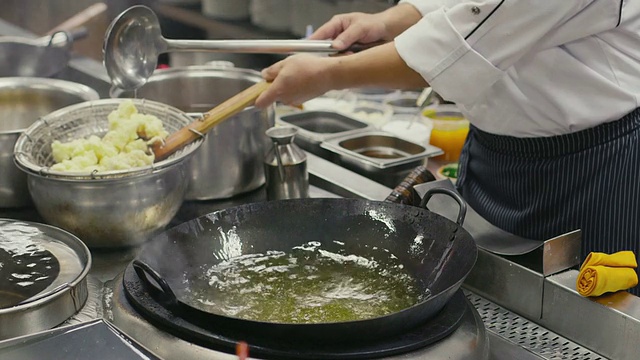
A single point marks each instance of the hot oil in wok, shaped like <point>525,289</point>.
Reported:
<point>307,285</point>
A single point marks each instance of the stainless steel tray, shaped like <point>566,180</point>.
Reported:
<point>93,340</point>
<point>315,127</point>
<point>378,150</point>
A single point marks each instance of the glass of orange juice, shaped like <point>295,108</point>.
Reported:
<point>450,129</point>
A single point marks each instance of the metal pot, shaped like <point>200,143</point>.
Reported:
<point>230,159</point>
<point>41,57</point>
<point>22,101</point>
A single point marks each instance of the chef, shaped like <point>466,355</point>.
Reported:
<point>551,88</point>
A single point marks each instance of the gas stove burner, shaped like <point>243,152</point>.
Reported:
<point>225,339</point>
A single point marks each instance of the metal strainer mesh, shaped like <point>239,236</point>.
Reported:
<point>33,148</point>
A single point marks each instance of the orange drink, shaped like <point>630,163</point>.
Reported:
<point>450,129</point>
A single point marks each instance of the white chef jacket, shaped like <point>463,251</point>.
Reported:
<point>529,68</point>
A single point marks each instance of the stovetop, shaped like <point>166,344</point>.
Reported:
<point>467,339</point>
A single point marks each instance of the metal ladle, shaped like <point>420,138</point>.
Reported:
<point>134,40</point>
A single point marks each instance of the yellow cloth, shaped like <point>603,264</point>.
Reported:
<point>601,273</point>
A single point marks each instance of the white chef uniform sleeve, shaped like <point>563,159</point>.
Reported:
<point>425,6</point>
<point>463,47</point>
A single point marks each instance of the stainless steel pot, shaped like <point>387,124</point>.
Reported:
<point>230,159</point>
<point>22,101</point>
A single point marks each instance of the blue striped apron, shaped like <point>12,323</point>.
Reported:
<point>539,188</point>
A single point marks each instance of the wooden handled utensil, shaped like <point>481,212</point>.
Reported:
<point>198,128</point>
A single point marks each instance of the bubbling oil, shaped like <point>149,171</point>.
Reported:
<point>307,285</point>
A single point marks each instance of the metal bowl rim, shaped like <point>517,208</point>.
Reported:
<point>195,71</point>
<point>23,161</point>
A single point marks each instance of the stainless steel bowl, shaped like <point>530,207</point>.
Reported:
<point>22,101</point>
<point>106,209</point>
<point>230,159</point>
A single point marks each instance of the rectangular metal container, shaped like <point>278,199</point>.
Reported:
<point>314,127</point>
<point>379,155</point>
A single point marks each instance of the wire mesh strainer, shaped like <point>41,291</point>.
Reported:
<point>33,149</point>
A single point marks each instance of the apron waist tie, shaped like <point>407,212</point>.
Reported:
<point>560,145</point>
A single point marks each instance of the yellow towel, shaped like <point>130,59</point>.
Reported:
<point>601,273</point>
<point>619,259</point>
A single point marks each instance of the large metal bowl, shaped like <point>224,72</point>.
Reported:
<point>22,102</point>
<point>230,159</point>
<point>105,209</point>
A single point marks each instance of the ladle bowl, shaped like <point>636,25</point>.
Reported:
<point>134,40</point>
<point>132,46</point>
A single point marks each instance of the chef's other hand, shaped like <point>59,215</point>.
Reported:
<point>347,29</point>
<point>296,79</point>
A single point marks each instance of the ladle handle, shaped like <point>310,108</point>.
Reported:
<point>250,46</point>
<point>198,128</point>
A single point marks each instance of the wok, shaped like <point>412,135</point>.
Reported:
<point>437,252</point>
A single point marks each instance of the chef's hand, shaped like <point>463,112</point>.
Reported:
<point>347,29</point>
<point>296,79</point>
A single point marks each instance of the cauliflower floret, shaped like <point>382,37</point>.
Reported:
<point>83,162</point>
<point>127,160</point>
<point>124,146</point>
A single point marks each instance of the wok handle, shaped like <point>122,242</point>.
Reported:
<point>463,206</point>
<point>143,270</point>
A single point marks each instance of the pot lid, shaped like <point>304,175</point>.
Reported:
<point>37,261</point>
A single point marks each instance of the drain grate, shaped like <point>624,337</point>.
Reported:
<point>528,335</point>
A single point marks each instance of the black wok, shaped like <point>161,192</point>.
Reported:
<point>436,251</point>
